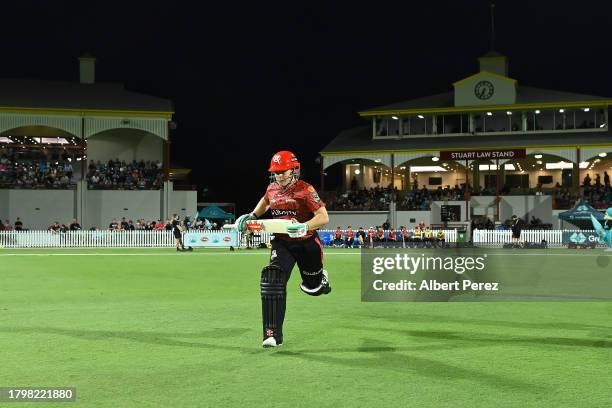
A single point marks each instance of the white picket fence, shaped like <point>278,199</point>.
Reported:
<point>117,239</point>
<point>86,239</point>
<point>490,238</point>
<point>165,239</point>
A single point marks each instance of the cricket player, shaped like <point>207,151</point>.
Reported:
<point>288,197</point>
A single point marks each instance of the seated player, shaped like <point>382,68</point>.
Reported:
<point>417,235</point>
<point>361,237</point>
<point>371,237</point>
<point>349,237</point>
<point>441,238</point>
<point>427,235</point>
<point>338,242</point>
<point>379,238</point>
<point>391,237</point>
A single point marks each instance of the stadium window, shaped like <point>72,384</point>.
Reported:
<point>429,127</point>
<point>439,120</point>
<point>531,120</point>
<point>382,127</point>
<point>494,122</point>
<point>450,124</point>
<point>585,118</point>
<point>601,118</point>
<point>405,125</point>
<point>545,120</point>
<point>417,125</point>
<point>568,118</point>
<point>479,123</point>
<point>514,121</point>
<point>393,126</point>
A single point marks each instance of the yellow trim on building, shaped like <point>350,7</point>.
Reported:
<point>87,112</point>
<point>483,108</point>
<point>483,73</point>
<point>490,57</point>
<point>543,147</point>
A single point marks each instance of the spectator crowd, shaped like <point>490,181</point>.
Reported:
<point>29,173</point>
<point>116,174</point>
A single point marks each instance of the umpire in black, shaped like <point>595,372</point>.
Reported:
<point>516,227</point>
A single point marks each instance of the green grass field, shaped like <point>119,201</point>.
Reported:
<point>156,328</point>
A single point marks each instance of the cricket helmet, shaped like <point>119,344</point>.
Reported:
<point>283,160</point>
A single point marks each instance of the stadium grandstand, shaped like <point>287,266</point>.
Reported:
<point>88,151</point>
<point>488,149</point>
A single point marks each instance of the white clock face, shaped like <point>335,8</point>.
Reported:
<point>484,90</point>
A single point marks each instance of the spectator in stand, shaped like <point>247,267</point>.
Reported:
<point>606,179</point>
<point>7,225</point>
<point>114,225</point>
<point>75,226</point>
<point>338,237</point>
<point>441,238</point>
<point>130,226</point>
<point>56,227</point>
<point>587,181</point>
<point>18,224</point>
<point>117,174</point>
<point>124,224</point>
<point>349,237</point>
<point>160,226</point>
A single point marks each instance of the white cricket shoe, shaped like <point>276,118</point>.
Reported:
<point>270,342</point>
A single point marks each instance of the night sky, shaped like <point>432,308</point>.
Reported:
<point>250,78</point>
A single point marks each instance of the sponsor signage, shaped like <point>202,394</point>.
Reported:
<point>501,154</point>
<point>211,239</point>
<point>580,238</point>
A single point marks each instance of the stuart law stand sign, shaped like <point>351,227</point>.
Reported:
<point>498,154</point>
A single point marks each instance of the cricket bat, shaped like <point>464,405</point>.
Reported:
<point>271,225</point>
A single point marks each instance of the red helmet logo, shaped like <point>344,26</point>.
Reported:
<point>283,160</point>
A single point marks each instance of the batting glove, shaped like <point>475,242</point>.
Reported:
<point>241,222</point>
<point>297,230</point>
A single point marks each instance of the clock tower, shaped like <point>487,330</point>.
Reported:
<point>490,86</point>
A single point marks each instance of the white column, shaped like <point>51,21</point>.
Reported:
<point>80,207</point>
<point>166,197</point>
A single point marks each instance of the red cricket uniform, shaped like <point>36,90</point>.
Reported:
<point>299,201</point>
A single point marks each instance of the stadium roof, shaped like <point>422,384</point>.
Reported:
<point>525,95</point>
<point>359,139</point>
<point>42,94</point>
